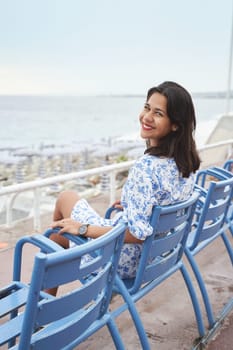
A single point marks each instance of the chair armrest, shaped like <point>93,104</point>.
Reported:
<point>76,239</point>
<point>109,212</point>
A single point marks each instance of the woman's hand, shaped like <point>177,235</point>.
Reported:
<point>117,205</point>
<point>67,225</point>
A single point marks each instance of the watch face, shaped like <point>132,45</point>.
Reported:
<point>83,229</point>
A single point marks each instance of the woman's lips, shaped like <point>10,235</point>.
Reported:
<point>146,127</point>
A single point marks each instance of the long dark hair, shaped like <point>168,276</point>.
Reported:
<point>179,144</point>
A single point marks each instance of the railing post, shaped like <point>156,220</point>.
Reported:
<point>36,216</point>
<point>9,205</point>
<point>230,150</point>
<point>112,187</point>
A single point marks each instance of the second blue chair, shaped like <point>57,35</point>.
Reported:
<point>161,257</point>
<point>210,224</point>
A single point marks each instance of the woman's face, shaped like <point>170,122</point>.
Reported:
<point>154,120</point>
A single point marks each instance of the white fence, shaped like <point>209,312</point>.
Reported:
<point>36,187</point>
<point>211,154</point>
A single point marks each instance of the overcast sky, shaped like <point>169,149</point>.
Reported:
<point>113,46</point>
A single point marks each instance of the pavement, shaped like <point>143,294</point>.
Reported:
<point>166,312</point>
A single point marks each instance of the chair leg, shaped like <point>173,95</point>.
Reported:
<point>229,219</point>
<point>231,227</point>
<point>202,287</point>
<point>228,246</point>
<point>193,296</point>
<point>133,311</point>
<point>115,334</point>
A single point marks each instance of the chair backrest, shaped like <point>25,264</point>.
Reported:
<point>211,210</point>
<point>205,176</point>
<point>228,165</point>
<point>163,250</point>
<point>54,322</point>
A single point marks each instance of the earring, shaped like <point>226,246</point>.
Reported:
<point>174,128</point>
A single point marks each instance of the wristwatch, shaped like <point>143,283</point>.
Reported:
<point>82,230</point>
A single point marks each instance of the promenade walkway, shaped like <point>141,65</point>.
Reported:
<point>167,312</point>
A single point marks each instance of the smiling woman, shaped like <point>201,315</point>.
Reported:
<point>155,122</point>
<point>162,176</point>
<point>176,110</point>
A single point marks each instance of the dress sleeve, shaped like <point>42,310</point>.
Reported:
<point>139,198</point>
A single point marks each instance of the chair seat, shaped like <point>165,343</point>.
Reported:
<point>11,329</point>
<point>201,244</point>
<point>12,297</point>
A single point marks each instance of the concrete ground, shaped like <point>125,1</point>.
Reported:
<point>166,312</point>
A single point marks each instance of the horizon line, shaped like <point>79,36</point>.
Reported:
<point>218,94</point>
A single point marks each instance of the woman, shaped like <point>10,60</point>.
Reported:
<point>162,176</point>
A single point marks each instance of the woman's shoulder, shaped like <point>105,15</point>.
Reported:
<point>154,166</point>
<point>153,161</point>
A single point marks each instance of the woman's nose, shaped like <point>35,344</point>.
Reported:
<point>148,116</point>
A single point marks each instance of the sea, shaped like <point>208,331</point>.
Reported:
<point>43,121</point>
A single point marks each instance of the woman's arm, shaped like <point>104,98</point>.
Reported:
<point>97,231</point>
<point>72,226</point>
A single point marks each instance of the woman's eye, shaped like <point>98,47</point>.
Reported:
<point>159,114</point>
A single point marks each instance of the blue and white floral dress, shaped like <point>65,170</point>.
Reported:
<point>151,181</point>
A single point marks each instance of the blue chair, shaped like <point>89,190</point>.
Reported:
<point>209,224</point>
<point>216,174</point>
<point>62,322</point>
<point>161,257</point>
<point>229,167</point>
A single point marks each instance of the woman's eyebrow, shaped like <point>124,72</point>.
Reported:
<point>157,109</point>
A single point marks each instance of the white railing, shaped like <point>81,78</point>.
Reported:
<point>36,186</point>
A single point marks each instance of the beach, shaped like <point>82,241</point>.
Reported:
<point>49,135</point>
<point>40,121</point>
